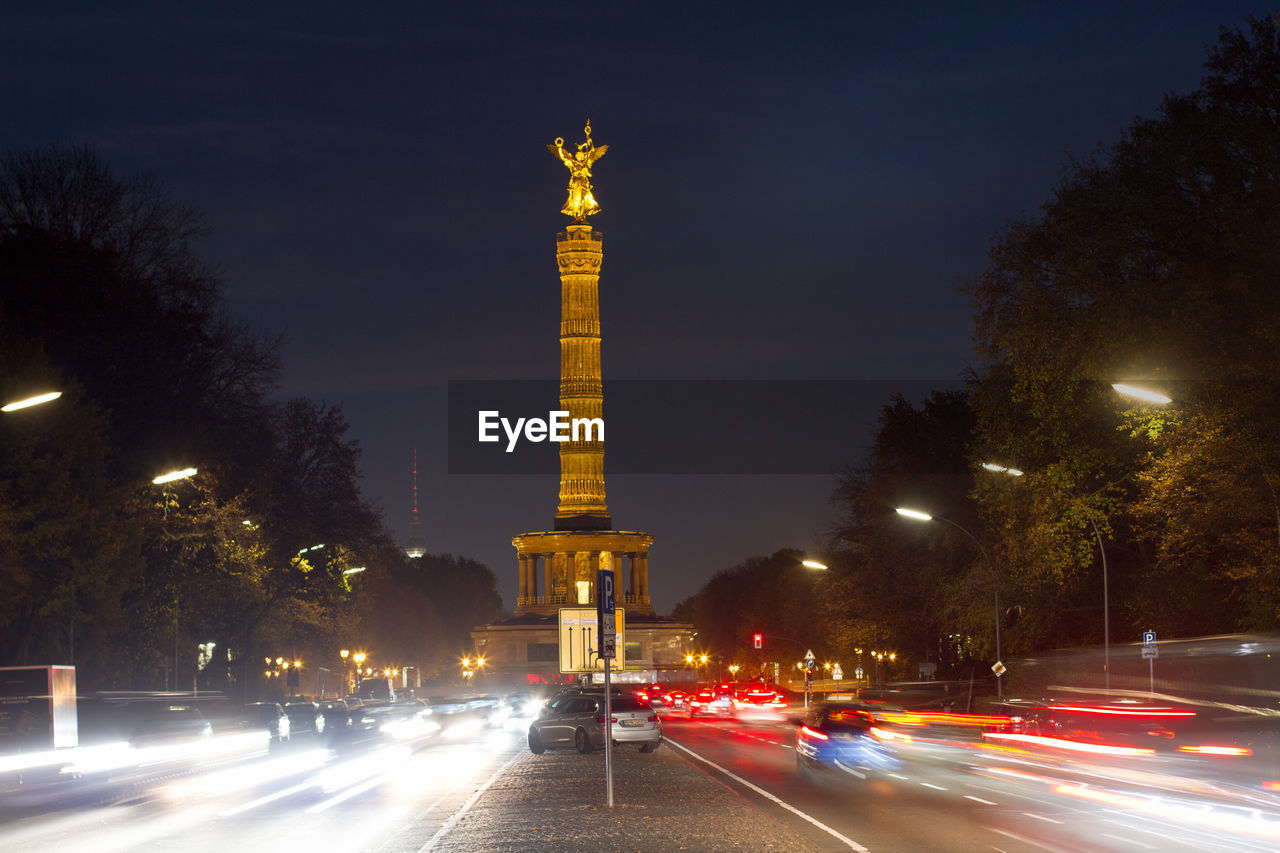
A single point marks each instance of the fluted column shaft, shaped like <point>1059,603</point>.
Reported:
<point>579,255</point>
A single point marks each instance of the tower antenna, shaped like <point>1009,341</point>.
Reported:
<point>417,545</point>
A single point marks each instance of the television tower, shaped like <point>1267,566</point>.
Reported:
<point>417,545</point>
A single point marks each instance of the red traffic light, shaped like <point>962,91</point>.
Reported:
<point>759,640</point>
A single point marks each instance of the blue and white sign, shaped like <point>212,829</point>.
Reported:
<point>604,583</point>
<point>1148,638</point>
<point>605,606</point>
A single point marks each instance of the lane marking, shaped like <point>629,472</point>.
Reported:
<point>354,790</point>
<point>933,786</point>
<point>466,807</point>
<point>851,771</point>
<point>848,842</point>
<point>1130,841</point>
<point>979,800</point>
<point>1017,837</point>
<point>269,798</point>
<point>1041,817</point>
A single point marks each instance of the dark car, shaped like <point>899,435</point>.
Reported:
<point>843,737</point>
<point>305,719</point>
<point>336,715</point>
<point>577,720</point>
<point>268,716</point>
<point>140,722</point>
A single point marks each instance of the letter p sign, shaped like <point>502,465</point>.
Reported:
<point>605,594</point>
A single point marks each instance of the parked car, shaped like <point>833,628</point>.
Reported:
<point>577,719</point>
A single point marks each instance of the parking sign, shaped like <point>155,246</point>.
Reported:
<point>605,601</point>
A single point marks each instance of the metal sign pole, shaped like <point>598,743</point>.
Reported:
<point>608,734</point>
<point>606,642</point>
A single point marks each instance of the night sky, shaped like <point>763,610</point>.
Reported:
<point>792,194</point>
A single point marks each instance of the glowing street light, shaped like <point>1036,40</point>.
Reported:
<point>1001,469</point>
<point>1144,394</point>
<point>30,401</point>
<point>814,564</point>
<point>182,474</point>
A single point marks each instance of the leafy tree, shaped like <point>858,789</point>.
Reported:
<point>67,543</point>
<point>1153,260</point>
<point>102,271</point>
<point>773,595</point>
<point>421,611</point>
<point>914,588</point>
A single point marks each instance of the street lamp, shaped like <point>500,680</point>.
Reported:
<point>814,564</point>
<point>1144,394</point>
<point>917,515</point>
<point>170,476</point>
<point>164,480</point>
<point>30,401</point>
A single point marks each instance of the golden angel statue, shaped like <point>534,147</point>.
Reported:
<point>581,202</point>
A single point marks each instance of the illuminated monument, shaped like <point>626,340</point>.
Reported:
<point>557,568</point>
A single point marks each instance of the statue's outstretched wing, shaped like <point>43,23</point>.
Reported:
<point>559,151</point>
<point>597,153</point>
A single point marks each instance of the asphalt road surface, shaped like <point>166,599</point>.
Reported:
<point>957,798</point>
<point>715,785</point>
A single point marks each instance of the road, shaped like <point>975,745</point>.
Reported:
<point>954,797</point>
<point>389,797</point>
<point>716,785</point>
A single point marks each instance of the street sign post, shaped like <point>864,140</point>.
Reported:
<point>1150,651</point>
<point>809,660</point>
<point>608,623</point>
<point>607,639</point>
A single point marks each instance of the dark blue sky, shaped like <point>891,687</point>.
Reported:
<point>789,193</point>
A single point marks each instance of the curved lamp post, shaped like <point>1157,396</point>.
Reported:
<point>917,515</point>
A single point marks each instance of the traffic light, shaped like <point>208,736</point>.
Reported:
<point>759,640</point>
